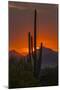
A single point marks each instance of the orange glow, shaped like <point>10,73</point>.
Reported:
<point>21,46</point>
<point>22,21</point>
<point>52,45</point>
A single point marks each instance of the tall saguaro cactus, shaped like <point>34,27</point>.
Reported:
<point>36,63</point>
<point>35,42</point>
<point>35,31</point>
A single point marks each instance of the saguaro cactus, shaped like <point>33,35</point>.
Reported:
<point>35,42</point>
<point>35,32</point>
<point>36,63</point>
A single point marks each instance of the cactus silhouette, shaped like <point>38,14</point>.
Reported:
<point>35,43</point>
<point>35,32</point>
<point>37,63</point>
<point>32,44</point>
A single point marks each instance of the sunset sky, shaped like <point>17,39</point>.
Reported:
<point>21,21</point>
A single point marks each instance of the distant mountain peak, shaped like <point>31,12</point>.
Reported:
<point>13,53</point>
<point>49,49</point>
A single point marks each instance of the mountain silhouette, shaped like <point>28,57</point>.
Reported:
<point>14,56</point>
<point>15,53</point>
<point>49,57</point>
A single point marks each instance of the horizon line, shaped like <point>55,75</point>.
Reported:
<point>24,53</point>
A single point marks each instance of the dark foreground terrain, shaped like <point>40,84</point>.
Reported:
<point>21,73</point>
<point>22,76</point>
